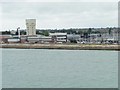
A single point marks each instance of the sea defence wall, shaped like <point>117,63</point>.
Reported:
<point>62,46</point>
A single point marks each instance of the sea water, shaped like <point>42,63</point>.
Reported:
<point>52,68</point>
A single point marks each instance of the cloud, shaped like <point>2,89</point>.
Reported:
<point>59,0</point>
<point>59,15</point>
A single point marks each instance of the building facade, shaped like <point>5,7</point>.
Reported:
<point>59,37</point>
<point>31,27</point>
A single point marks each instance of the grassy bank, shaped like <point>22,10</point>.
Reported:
<point>62,46</point>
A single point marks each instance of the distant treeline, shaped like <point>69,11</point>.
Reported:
<point>68,31</point>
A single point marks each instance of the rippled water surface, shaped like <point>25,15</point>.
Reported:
<point>44,68</point>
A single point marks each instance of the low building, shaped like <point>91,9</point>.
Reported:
<point>46,39</point>
<point>59,37</point>
<point>23,39</point>
<point>4,38</point>
<point>13,40</point>
<point>33,39</point>
<point>40,39</point>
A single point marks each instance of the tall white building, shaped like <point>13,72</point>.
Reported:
<point>31,26</point>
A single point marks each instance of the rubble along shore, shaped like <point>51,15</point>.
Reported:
<point>62,46</point>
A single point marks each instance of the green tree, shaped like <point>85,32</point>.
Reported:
<point>89,31</point>
<point>22,32</point>
<point>5,32</point>
<point>109,31</point>
<point>46,33</point>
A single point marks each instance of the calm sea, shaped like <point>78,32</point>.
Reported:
<point>44,68</point>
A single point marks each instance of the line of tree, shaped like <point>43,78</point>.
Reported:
<point>68,31</point>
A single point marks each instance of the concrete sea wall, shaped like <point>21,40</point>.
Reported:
<point>62,46</point>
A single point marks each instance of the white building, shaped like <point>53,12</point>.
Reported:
<point>14,39</point>
<point>59,37</point>
<point>31,27</point>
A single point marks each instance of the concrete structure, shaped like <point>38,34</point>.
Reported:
<point>31,27</point>
<point>23,39</point>
<point>4,38</point>
<point>13,40</point>
<point>39,39</point>
<point>33,39</point>
<point>59,37</point>
<point>45,39</point>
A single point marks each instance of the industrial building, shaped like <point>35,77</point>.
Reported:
<point>39,39</point>
<point>55,36</point>
<point>59,37</point>
<point>31,27</point>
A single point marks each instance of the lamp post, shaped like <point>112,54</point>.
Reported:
<point>18,32</point>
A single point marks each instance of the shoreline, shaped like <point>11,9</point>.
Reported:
<point>62,46</point>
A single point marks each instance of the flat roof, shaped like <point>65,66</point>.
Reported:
<point>58,34</point>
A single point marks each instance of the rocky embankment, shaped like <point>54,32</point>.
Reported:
<point>62,46</point>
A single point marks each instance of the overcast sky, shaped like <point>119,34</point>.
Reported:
<point>59,14</point>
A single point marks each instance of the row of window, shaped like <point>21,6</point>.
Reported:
<point>61,38</point>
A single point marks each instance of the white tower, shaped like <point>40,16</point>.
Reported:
<point>31,26</point>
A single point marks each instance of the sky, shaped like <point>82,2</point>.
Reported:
<point>58,14</point>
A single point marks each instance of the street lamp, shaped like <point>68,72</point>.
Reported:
<point>18,31</point>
